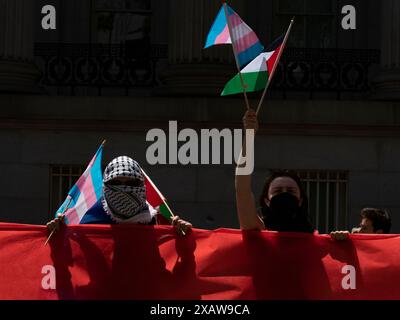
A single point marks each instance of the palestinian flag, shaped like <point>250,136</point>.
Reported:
<point>256,74</point>
<point>156,199</point>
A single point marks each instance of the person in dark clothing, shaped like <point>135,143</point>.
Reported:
<point>373,221</point>
<point>284,205</point>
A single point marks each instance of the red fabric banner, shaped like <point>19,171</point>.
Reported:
<point>145,262</point>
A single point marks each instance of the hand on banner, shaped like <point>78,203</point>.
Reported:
<point>339,235</point>
<point>181,226</point>
<point>356,230</point>
<point>54,224</point>
<point>250,120</point>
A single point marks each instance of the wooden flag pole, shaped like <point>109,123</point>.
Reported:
<point>166,204</point>
<point>173,215</point>
<point>244,86</point>
<point>61,218</point>
<point>275,65</point>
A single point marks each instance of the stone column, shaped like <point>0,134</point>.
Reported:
<point>387,83</point>
<point>191,68</point>
<point>18,73</point>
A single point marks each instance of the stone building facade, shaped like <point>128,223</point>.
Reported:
<point>116,69</point>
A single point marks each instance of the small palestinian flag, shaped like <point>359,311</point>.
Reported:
<point>157,200</point>
<point>257,73</point>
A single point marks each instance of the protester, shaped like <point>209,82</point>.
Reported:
<point>284,205</point>
<point>123,199</point>
<point>373,221</point>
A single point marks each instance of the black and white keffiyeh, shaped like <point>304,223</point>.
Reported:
<point>125,203</point>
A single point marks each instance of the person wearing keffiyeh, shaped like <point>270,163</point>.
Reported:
<point>123,199</point>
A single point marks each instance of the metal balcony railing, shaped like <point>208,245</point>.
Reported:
<point>136,65</point>
<point>325,70</point>
<point>72,66</point>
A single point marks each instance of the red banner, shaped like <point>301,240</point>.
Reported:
<point>142,262</point>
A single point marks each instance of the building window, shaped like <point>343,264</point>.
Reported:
<point>327,197</point>
<point>62,178</point>
<point>314,25</point>
<point>122,22</point>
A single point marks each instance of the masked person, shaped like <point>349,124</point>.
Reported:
<point>123,199</point>
<point>284,205</point>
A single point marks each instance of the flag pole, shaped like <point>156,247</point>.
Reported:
<point>173,215</point>
<point>61,218</point>
<point>67,205</point>
<point>275,65</point>
<point>235,54</point>
<point>162,198</point>
<point>166,204</point>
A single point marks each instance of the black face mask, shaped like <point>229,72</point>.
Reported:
<point>285,214</point>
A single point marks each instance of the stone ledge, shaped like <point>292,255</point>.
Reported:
<point>212,111</point>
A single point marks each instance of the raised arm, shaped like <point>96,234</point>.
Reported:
<point>245,202</point>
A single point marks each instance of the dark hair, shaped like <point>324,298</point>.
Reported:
<point>380,219</point>
<point>306,226</point>
<point>283,173</point>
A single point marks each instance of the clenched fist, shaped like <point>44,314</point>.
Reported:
<point>250,120</point>
<point>54,224</point>
<point>181,226</point>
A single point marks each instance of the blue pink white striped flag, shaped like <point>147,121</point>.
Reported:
<point>244,39</point>
<point>86,191</point>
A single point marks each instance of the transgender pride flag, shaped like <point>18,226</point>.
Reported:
<point>245,41</point>
<point>86,191</point>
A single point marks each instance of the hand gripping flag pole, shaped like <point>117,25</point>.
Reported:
<point>61,218</point>
<point>275,65</point>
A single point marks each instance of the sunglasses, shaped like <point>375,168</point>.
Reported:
<point>131,183</point>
